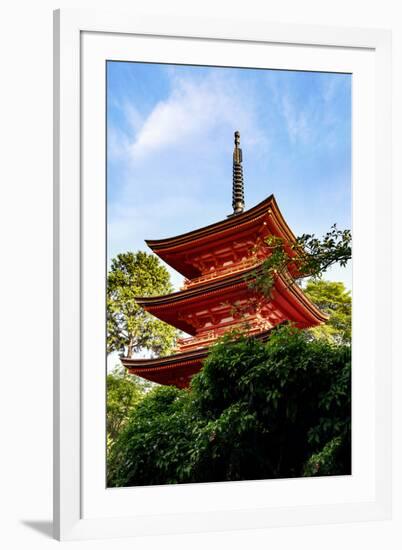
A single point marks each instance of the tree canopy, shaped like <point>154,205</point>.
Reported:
<point>124,393</point>
<point>257,410</point>
<point>308,256</point>
<point>129,327</point>
<point>332,298</point>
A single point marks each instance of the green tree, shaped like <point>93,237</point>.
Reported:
<point>317,255</point>
<point>257,410</point>
<point>308,256</point>
<point>129,327</point>
<point>124,392</point>
<point>335,301</point>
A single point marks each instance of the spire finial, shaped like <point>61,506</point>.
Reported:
<point>238,186</point>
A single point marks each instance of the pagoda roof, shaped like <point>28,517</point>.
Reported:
<point>288,296</point>
<point>168,307</point>
<point>176,369</point>
<point>199,290</point>
<point>175,250</point>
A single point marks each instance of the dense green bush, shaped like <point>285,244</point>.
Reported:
<point>255,411</point>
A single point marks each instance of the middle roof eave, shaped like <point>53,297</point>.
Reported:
<point>208,286</point>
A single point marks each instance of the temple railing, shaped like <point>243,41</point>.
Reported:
<point>255,324</point>
<point>200,340</point>
<point>222,272</point>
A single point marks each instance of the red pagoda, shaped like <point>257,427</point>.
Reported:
<point>218,261</point>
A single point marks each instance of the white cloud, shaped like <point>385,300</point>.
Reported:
<point>133,116</point>
<point>310,117</point>
<point>119,144</point>
<point>169,156</point>
<point>197,115</point>
<point>331,87</point>
<point>194,109</point>
<point>297,120</point>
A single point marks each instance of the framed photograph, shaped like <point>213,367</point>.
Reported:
<point>218,363</point>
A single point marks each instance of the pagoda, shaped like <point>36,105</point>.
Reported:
<point>218,262</point>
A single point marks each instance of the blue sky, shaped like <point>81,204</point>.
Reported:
<point>170,142</point>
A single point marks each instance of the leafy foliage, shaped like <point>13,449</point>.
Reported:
<point>129,327</point>
<point>124,392</point>
<point>336,301</point>
<point>150,449</point>
<point>255,411</point>
<point>308,256</point>
<point>334,248</point>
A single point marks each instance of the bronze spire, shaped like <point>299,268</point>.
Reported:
<point>238,185</point>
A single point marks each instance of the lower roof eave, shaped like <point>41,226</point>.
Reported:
<point>137,365</point>
<point>168,362</point>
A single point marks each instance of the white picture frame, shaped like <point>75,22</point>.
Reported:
<point>83,507</point>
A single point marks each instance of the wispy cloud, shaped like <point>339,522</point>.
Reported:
<point>120,138</point>
<point>194,110</point>
<point>170,139</point>
<point>188,132</point>
<point>308,113</point>
<point>297,120</point>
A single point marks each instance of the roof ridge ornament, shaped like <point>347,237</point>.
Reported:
<point>238,185</point>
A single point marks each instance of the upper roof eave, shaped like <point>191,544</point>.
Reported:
<point>160,245</point>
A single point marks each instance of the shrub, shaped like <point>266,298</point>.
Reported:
<point>257,410</point>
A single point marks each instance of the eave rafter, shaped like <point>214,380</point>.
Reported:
<point>184,252</point>
<point>183,309</point>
